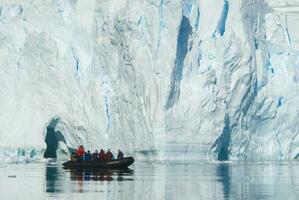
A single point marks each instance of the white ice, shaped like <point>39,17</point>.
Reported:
<point>152,77</point>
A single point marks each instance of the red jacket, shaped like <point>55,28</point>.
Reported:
<point>80,151</point>
<point>102,155</point>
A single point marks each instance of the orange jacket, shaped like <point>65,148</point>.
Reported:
<point>80,152</point>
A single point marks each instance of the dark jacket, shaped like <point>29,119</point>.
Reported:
<point>120,155</point>
<point>87,157</point>
<point>95,156</point>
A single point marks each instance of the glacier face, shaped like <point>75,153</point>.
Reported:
<point>160,78</point>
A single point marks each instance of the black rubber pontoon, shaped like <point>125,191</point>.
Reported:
<point>113,164</point>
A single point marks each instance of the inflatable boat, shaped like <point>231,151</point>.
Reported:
<point>113,164</point>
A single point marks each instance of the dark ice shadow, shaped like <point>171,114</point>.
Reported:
<point>54,176</point>
<point>223,172</point>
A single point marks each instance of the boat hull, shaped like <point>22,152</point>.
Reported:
<point>114,164</point>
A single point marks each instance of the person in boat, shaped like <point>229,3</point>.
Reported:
<point>80,153</point>
<point>74,157</point>
<point>87,156</point>
<point>120,155</point>
<point>102,155</point>
<point>113,158</point>
<point>109,155</point>
<point>95,156</point>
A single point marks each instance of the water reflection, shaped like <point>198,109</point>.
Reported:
<point>223,172</point>
<point>243,180</point>
<point>54,177</point>
<point>80,176</point>
<point>100,175</point>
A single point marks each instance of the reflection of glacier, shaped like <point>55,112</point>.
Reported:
<point>213,79</point>
<point>164,180</point>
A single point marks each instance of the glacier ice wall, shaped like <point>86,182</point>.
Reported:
<point>215,78</point>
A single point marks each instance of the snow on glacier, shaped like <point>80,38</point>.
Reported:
<point>187,79</point>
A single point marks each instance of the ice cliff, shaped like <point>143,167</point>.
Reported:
<point>158,78</point>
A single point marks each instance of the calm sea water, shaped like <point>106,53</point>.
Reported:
<point>153,181</point>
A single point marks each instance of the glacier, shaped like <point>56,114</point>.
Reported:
<point>160,79</point>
